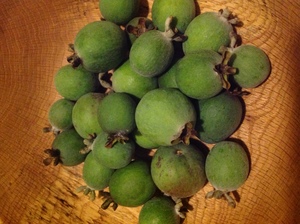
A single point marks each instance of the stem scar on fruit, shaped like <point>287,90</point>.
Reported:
<point>54,156</point>
<point>140,28</point>
<point>187,133</point>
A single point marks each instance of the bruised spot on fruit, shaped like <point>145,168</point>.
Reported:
<point>158,164</point>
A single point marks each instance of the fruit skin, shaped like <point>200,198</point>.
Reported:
<point>168,78</point>
<point>84,115</point>
<point>151,53</point>
<point>60,114</point>
<point>101,46</point>
<point>162,114</point>
<point>179,170</point>
<point>227,166</point>
<point>120,155</point>
<point>119,11</point>
<point>218,117</point>
<point>116,113</point>
<point>183,12</point>
<point>208,31</point>
<point>196,76</point>
<point>159,210</point>
<point>69,143</point>
<point>253,66</point>
<point>95,174</point>
<point>126,80</point>
<point>132,185</point>
<point>143,141</point>
<point>72,83</point>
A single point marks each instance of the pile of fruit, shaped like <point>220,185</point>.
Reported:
<point>143,100</point>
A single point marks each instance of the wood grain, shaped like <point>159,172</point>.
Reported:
<point>34,37</point>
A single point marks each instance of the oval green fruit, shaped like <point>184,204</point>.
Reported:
<point>159,210</point>
<point>252,64</point>
<point>119,11</point>
<point>227,166</point>
<point>179,170</point>
<point>100,46</point>
<point>219,117</point>
<point>132,185</point>
<point>182,11</point>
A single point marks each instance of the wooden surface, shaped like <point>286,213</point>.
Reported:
<point>34,37</point>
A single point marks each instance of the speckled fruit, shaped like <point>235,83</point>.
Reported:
<point>178,170</point>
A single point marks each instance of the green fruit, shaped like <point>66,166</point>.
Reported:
<point>66,149</point>
<point>163,114</point>
<point>151,54</point>
<point>132,185</point>
<point>116,113</point>
<point>253,66</point>
<point>182,11</point>
<point>84,115</point>
<point>143,141</point>
<point>227,168</point>
<point>168,78</point>
<point>209,30</point>
<point>219,117</point>
<point>73,83</point>
<point>159,210</point>
<point>116,157</point>
<point>119,11</point>
<point>126,80</point>
<point>95,174</point>
<point>100,46</point>
<point>197,76</point>
<point>178,170</point>
<point>60,115</point>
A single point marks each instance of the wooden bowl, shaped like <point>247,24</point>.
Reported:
<point>34,45</point>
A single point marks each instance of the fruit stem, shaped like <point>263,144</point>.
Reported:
<point>219,194</point>
<point>108,201</point>
<point>114,138</point>
<point>187,133</point>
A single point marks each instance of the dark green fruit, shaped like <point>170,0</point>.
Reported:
<point>84,115</point>
<point>182,11</point>
<point>227,169</point>
<point>253,66</point>
<point>165,116</point>
<point>137,26</point>
<point>159,210</point>
<point>219,117</point>
<point>209,30</point>
<point>119,11</point>
<point>116,157</point>
<point>132,185</point>
<point>126,80</point>
<point>99,46</point>
<point>73,83</point>
<point>178,170</point>
<point>197,75</point>
<point>66,149</point>
<point>60,115</point>
<point>152,53</point>
<point>116,115</point>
